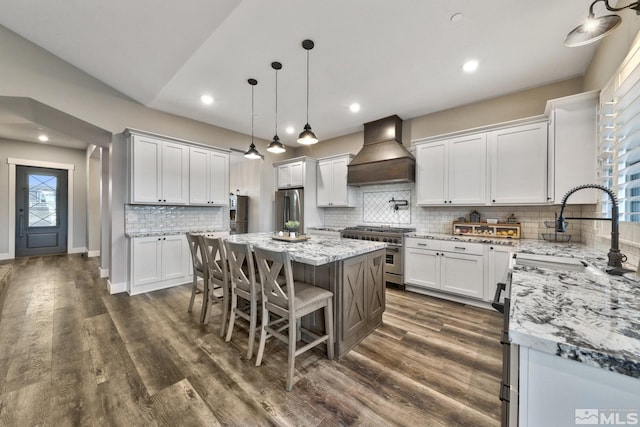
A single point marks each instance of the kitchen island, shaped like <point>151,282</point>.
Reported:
<point>352,269</point>
<point>578,339</point>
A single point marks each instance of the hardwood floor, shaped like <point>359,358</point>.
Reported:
<point>71,354</point>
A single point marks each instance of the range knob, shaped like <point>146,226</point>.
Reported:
<point>395,240</point>
<point>384,239</point>
<point>361,237</point>
<point>377,239</point>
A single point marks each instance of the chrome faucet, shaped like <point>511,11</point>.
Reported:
<point>615,257</point>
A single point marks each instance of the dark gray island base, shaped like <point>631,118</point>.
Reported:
<point>353,270</point>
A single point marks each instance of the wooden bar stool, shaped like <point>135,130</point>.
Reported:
<point>218,274</point>
<point>243,284</point>
<point>287,305</point>
<point>199,271</point>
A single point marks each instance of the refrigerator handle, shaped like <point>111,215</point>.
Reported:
<point>287,208</point>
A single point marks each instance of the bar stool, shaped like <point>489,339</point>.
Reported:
<point>218,274</point>
<point>288,304</point>
<point>243,285</point>
<point>199,271</point>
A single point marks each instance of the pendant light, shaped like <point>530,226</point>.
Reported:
<point>307,137</point>
<point>252,153</point>
<point>593,28</point>
<point>276,146</point>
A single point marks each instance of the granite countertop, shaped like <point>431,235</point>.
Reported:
<point>317,250</point>
<point>171,232</point>
<point>338,229</point>
<point>463,238</point>
<point>588,316</point>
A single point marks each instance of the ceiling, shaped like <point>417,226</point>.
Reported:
<point>393,57</point>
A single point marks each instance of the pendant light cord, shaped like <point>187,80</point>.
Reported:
<point>276,102</point>
<point>252,87</point>
<point>307,86</point>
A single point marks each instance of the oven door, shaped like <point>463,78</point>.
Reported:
<point>393,260</point>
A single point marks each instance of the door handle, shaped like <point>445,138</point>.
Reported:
<point>21,225</point>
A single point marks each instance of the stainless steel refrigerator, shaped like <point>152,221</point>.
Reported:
<point>239,214</point>
<point>289,207</point>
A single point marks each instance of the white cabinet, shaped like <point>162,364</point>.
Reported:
<point>159,171</point>
<point>208,177</point>
<point>572,146</point>
<point>453,267</point>
<point>518,164</point>
<point>332,188</point>
<point>452,171</point>
<point>291,174</point>
<point>158,262</point>
<point>496,268</point>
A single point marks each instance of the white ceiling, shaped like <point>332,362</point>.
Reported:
<point>393,57</point>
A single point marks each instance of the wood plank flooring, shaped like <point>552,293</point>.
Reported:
<point>71,354</point>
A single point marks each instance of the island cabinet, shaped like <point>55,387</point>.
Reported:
<point>452,171</point>
<point>159,171</point>
<point>159,262</point>
<point>518,164</point>
<point>332,188</point>
<point>208,177</point>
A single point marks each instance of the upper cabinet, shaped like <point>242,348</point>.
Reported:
<point>332,188</point>
<point>518,164</point>
<point>296,173</point>
<point>208,176</point>
<point>159,171</point>
<point>452,171</point>
<point>572,146</point>
<point>174,172</point>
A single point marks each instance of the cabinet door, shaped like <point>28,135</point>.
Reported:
<point>198,176</point>
<point>376,286</point>
<point>297,174</point>
<point>175,173</point>
<point>146,170</point>
<point>462,274</point>
<point>173,256</point>
<point>354,296</point>
<point>431,173</point>
<point>497,265</point>
<point>219,178</point>
<point>519,164</point>
<point>468,169</point>
<point>324,183</point>
<point>146,260</point>
<point>340,188</point>
<point>284,176</point>
<point>422,268</point>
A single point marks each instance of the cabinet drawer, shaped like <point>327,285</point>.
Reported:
<point>462,247</point>
<point>417,243</point>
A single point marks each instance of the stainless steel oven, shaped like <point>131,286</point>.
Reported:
<point>394,238</point>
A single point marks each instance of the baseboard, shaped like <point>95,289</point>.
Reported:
<point>104,272</point>
<point>77,250</point>
<point>116,288</point>
<point>450,297</point>
<point>5,256</point>
<point>93,254</point>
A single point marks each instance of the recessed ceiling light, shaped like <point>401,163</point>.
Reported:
<point>206,99</point>
<point>355,107</point>
<point>456,17</point>
<point>290,130</point>
<point>43,137</point>
<point>470,66</point>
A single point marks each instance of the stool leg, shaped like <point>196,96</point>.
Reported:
<point>291,363</point>
<point>328,325</point>
<point>232,318</point>
<point>263,334</point>
<point>193,292</point>
<point>252,326</point>
<point>225,308</point>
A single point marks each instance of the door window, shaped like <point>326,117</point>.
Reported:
<point>42,200</point>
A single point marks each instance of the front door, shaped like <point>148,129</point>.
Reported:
<point>41,211</point>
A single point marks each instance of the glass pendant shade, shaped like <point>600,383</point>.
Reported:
<point>592,30</point>
<point>307,137</point>
<point>252,152</point>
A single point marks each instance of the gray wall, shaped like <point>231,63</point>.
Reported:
<point>45,153</point>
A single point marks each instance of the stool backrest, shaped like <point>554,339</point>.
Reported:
<point>215,257</point>
<point>270,264</point>
<point>241,268</point>
<point>195,246</point>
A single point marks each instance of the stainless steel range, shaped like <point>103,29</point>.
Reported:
<point>394,238</point>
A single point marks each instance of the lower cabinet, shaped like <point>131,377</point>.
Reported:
<point>453,267</point>
<point>159,262</point>
<point>362,298</point>
<point>497,268</point>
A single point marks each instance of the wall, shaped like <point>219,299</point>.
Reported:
<point>94,172</point>
<point>46,153</point>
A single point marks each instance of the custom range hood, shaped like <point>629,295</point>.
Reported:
<point>383,159</point>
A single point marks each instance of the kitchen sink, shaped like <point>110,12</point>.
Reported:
<point>551,262</point>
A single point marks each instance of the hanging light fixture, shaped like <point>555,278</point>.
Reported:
<point>307,137</point>
<point>593,28</point>
<point>276,146</point>
<point>252,153</point>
